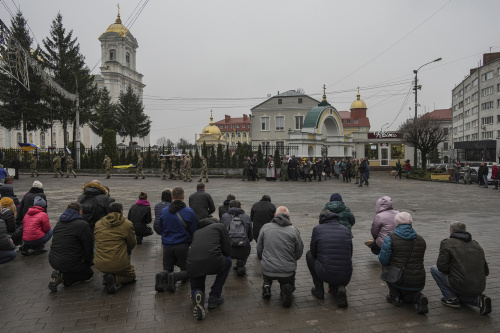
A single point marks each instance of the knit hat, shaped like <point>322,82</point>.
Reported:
<point>335,197</point>
<point>38,184</point>
<point>403,218</point>
<point>266,197</point>
<point>6,202</point>
<point>39,202</point>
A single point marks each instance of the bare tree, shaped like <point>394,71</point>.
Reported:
<point>425,134</point>
<point>300,90</point>
<point>162,141</point>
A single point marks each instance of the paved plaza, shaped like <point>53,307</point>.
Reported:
<point>26,304</point>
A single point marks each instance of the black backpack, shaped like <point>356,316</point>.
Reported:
<point>237,232</point>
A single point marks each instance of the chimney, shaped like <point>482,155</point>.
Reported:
<point>490,57</point>
<point>245,117</point>
<point>227,119</point>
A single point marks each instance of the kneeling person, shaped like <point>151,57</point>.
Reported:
<point>72,250</point>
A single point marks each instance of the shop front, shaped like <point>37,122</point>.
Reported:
<point>383,149</point>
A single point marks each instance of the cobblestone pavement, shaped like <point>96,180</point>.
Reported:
<point>26,304</point>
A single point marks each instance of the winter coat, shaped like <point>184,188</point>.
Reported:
<point>158,209</point>
<point>72,248</point>
<point>28,200</point>
<point>238,252</point>
<point>279,247</point>
<point>35,224</point>
<point>494,172</point>
<point>262,212</point>
<point>8,216</point>
<point>319,167</point>
<point>95,201</point>
<point>463,260</point>
<point>363,167</point>
<point>140,215</point>
<point>383,223</point>
<point>57,162</point>
<point>114,240</point>
<point>224,208</point>
<point>331,246</point>
<point>202,204</point>
<point>209,249</point>
<point>407,166</point>
<point>346,218</point>
<point>172,230</point>
<point>395,251</point>
<point>5,243</point>
<point>8,191</point>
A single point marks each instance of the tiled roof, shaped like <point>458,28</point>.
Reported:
<point>362,122</point>
<point>440,114</point>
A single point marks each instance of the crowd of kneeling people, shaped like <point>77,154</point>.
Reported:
<point>93,231</point>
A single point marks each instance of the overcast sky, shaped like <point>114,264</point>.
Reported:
<point>227,56</point>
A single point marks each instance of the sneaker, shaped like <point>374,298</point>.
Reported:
<point>484,305</point>
<point>198,305</point>
<point>318,292</point>
<point>266,292</point>
<point>109,281</point>
<point>452,302</point>
<point>240,268</point>
<point>422,302</point>
<point>160,282</point>
<point>171,280</point>
<point>394,300</point>
<point>342,297</point>
<point>55,279</point>
<point>215,302</point>
<point>287,291</point>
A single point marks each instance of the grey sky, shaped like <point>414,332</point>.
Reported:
<point>227,55</point>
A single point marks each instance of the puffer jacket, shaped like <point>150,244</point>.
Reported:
<point>35,224</point>
<point>463,260</point>
<point>140,215</point>
<point>395,251</point>
<point>28,200</point>
<point>331,246</point>
<point>158,209</point>
<point>8,216</point>
<point>114,241</point>
<point>238,252</point>
<point>279,247</point>
<point>5,243</point>
<point>383,223</point>
<point>72,246</point>
<point>346,218</point>
<point>95,201</point>
<point>224,208</point>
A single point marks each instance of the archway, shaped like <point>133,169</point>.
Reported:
<point>310,151</point>
<point>329,127</point>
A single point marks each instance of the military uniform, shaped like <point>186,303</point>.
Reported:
<point>284,170</point>
<point>107,165</point>
<point>173,175</point>
<point>204,169</point>
<point>140,164</point>
<point>57,166</point>
<point>245,170</point>
<point>163,165</point>
<point>33,163</point>
<point>187,169</point>
<point>69,167</point>
<point>177,170</point>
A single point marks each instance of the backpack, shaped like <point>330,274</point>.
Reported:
<point>237,232</point>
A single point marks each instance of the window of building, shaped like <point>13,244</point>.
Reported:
<point>487,105</point>
<point>474,96</point>
<point>467,126</point>
<point>280,145</point>
<point>487,91</point>
<point>348,121</point>
<point>397,151</point>
<point>487,135</point>
<point>244,134</point>
<point>19,137</point>
<point>280,123</point>
<point>467,113</point>
<point>474,137</point>
<point>498,134</point>
<point>467,138</point>
<point>461,128</point>
<point>237,126</point>
<point>232,126</point>
<point>232,135</point>
<point>475,82</point>
<point>455,130</point>
<point>42,139</point>
<point>299,122</point>
<point>227,135</point>
<point>475,123</point>
<point>460,139</point>
<point>371,151</point>
<point>467,100</point>
<point>498,103</point>
<point>498,118</point>
<point>460,105</point>
<point>467,88</point>
<point>487,76</point>
<point>474,110</point>
<point>239,135</point>
<point>300,100</point>
<point>280,101</point>
<point>460,93</point>
<point>112,55</point>
<point>445,146</point>
<point>264,123</point>
<point>487,120</point>
<point>445,130</point>
<point>355,121</point>
<point>127,59</point>
<point>498,87</point>
<point>455,96</point>
<point>244,126</point>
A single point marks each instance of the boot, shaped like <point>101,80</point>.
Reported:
<point>318,291</point>
<point>136,177</point>
<point>199,181</point>
<point>206,180</point>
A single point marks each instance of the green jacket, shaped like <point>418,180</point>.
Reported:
<point>346,218</point>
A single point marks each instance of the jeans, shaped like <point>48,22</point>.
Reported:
<point>41,241</point>
<point>485,179</point>
<point>447,291</point>
<point>198,283</point>
<point>457,177</point>
<point>6,256</point>
<point>408,174</point>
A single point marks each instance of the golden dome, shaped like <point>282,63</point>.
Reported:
<point>211,128</point>
<point>358,103</point>
<point>118,27</point>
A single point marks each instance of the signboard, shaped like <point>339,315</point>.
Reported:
<point>385,135</point>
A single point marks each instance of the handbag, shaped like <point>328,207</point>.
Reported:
<point>394,274</point>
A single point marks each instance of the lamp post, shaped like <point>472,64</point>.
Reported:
<point>416,88</point>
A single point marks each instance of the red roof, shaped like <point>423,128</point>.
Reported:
<point>228,120</point>
<point>440,114</point>
<point>362,122</point>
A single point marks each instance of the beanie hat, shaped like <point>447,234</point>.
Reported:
<point>38,184</point>
<point>266,197</point>
<point>39,202</point>
<point>6,202</point>
<point>335,197</point>
<point>403,218</point>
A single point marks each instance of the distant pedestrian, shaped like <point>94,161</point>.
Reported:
<point>467,174</point>
<point>456,170</point>
<point>399,169</point>
<point>139,166</point>
<point>107,166</point>
<point>57,166</point>
<point>15,164</point>
<point>69,166</point>
<point>407,169</point>
<point>203,170</point>
<point>494,175</point>
<point>33,165</point>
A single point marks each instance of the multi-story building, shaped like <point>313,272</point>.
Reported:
<point>235,129</point>
<point>444,117</point>
<point>476,112</point>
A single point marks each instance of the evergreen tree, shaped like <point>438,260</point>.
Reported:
<point>104,116</point>
<point>277,160</point>
<point>260,157</point>
<point>227,158</point>
<point>220,156</point>
<point>196,159</point>
<point>204,150</point>
<point>131,117</point>
<point>234,161</point>
<point>109,143</point>
<point>212,159</point>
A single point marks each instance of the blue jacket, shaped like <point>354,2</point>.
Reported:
<point>172,229</point>
<point>3,173</point>
<point>331,246</point>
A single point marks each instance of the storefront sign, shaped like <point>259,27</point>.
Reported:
<point>384,135</point>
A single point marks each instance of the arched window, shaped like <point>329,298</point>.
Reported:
<point>127,59</point>
<point>244,134</point>
<point>239,135</point>
<point>42,139</point>
<point>19,137</point>
<point>232,135</point>
<point>112,55</point>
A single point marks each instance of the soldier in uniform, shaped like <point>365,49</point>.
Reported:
<point>178,162</point>
<point>57,166</point>
<point>284,169</point>
<point>467,174</point>
<point>187,168</point>
<point>69,166</point>
<point>163,165</point>
<point>107,165</point>
<point>173,175</point>
<point>203,169</point>
<point>245,169</point>
<point>140,165</point>
<point>33,163</point>
<point>169,167</point>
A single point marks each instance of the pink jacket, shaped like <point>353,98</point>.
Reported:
<point>383,223</point>
<point>35,224</point>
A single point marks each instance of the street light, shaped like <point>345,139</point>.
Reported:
<point>416,88</point>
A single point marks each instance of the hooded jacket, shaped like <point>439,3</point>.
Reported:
<point>346,218</point>
<point>463,260</point>
<point>279,247</point>
<point>140,215</point>
<point>209,249</point>
<point>238,252</point>
<point>8,216</point>
<point>224,208</point>
<point>331,246</point>
<point>28,200</point>
<point>35,224</point>
<point>114,241</point>
<point>166,200</point>
<point>262,212</point>
<point>383,223</point>
<point>172,230</point>
<point>72,248</point>
<point>95,202</point>
<point>5,243</point>
<point>8,191</point>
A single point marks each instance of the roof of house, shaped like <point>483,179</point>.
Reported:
<point>440,114</point>
<point>362,122</point>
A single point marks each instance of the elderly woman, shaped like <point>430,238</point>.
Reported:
<point>383,223</point>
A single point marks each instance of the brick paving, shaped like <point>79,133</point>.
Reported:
<point>26,304</point>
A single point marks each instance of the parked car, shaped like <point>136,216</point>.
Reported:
<point>474,176</point>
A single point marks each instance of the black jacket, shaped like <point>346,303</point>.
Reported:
<point>28,200</point>
<point>72,248</point>
<point>8,191</point>
<point>5,243</point>
<point>262,212</point>
<point>95,202</point>
<point>8,216</point>
<point>158,208</point>
<point>140,216</point>
<point>224,208</point>
<point>209,249</point>
<point>202,204</point>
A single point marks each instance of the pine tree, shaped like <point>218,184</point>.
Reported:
<point>131,117</point>
<point>260,157</point>
<point>277,159</point>
<point>212,159</point>
<point>104,115</point>
<point>196,158</point>
<point>204,150</point>
<point>227,158</point>
<point>220,156</point>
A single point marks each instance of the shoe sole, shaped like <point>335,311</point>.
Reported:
<point>287,296</point>
<point>455,306</point>
<point>159,283</point>
<point>198,310</point>
<point>342,297</point>
<point>422,307</point>
<point>487,308</point>
<point>110,284</point>
<point>55,280</point>
<point>171,283</point>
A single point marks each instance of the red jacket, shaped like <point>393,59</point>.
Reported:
<point>494,172</point>
<point>35,224</point>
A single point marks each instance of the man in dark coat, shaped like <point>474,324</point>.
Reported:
<point>29,198</point>
<point>225,207</point>
<point>208,255</point>
<point>95,202</point>
<point>15,164</point>
<point>404,246</point>
<point>201,202</point>
<point>262,212</point>
<point>330,257</point>
<point>7,191</point>
<point>461,270</point>
<point>166,200</point>
<point>246,172</point>
<point>72,250</point>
